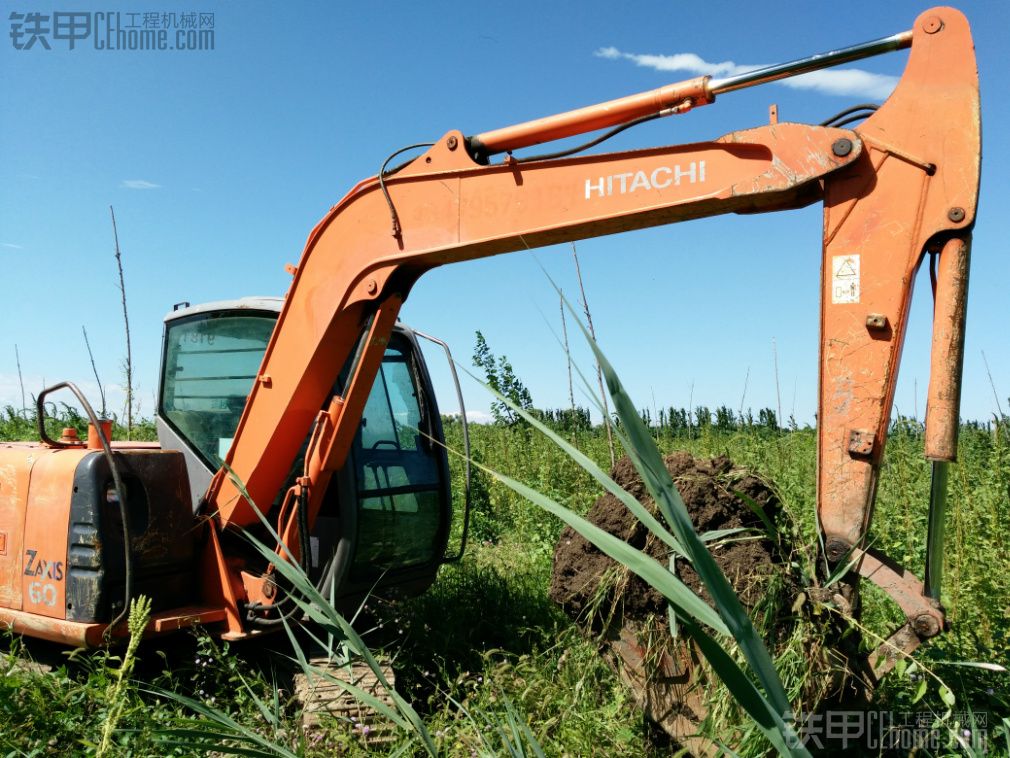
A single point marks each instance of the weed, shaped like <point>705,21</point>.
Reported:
<point>140,612</point>
<point>487,632</point>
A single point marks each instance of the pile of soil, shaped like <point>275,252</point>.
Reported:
<point>629,617</point>
<point>711,490</point>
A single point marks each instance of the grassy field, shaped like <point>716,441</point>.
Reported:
<point>485,648</point>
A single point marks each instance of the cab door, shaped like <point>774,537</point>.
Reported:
<point>393,495</point>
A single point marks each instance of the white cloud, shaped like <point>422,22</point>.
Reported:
<point>141,184</point>
<point>11,245</point>
<point>839,81</point>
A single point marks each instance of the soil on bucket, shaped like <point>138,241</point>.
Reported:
<point>630,617</point>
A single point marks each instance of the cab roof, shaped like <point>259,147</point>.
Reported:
<point>253,303</point>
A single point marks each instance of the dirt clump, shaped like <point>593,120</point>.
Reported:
<point>717,495</point>
<point>629,617</point>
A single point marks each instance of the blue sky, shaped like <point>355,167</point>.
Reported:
<point>220,162</point>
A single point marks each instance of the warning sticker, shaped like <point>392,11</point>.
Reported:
<point>844,279</point>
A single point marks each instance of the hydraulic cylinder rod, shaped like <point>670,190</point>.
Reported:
<point>944,402</point>
<point>934,530</point>
<point>943,405</point>
<point>815,62</point>
<point>691,92</point>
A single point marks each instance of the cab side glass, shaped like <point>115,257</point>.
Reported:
<point>210,363</point>
<point>398,473</point>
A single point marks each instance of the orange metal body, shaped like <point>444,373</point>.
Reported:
<point>691,93</point>
<point>15,470</point>
<point>904,181</point>
<point>36,484</point>
<point>916,181</point>
<point>454,210</point>
<point>35,487</point>
<point>907,178</point>
<point>94,635</point>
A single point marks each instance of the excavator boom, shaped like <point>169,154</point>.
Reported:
<point>901,185</point>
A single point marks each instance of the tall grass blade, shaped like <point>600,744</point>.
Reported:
<point>311,601</point>
<point>639,563</point>
<point>660,485</point>
<point>233,730</point>
<point>687,606</point>
<point>757,510</point>
<point>770,721</point>
<point>590,467</point>
<point>648,462</point>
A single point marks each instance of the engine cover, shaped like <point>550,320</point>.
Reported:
<point>61,534</point>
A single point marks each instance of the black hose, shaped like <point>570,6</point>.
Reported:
<point>382,182</point>
<point>851,119</point>
<point>40,412</point>
<point>592,143</point>
<point>304,547</point>
<point>383,173</point>
<point>836,120</point>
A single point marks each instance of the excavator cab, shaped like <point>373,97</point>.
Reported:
<point>386,515</point>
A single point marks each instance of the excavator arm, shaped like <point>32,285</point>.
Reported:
<point>901,185</point>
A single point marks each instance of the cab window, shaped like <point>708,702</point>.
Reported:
<point>210,363</point>
<point>398,472</point>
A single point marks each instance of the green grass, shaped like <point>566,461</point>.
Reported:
<point>18,425</point>
<point>485,645</point>
<point>977,567</point>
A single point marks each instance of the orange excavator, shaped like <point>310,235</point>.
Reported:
<point>316,414</point>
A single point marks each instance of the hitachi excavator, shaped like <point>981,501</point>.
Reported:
<point>316,414</point>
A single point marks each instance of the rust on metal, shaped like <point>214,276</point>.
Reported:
<point>876,321</point>
<point>943,406</point>
<point>901,644</point>
<point>925,617</point>
<point>182,618</point>
<point>905,589</point>
<point>861,442</point>
<point>81,634</point>
<point>52,629</point>
<point>836,549</point>
<point>880,214</point>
